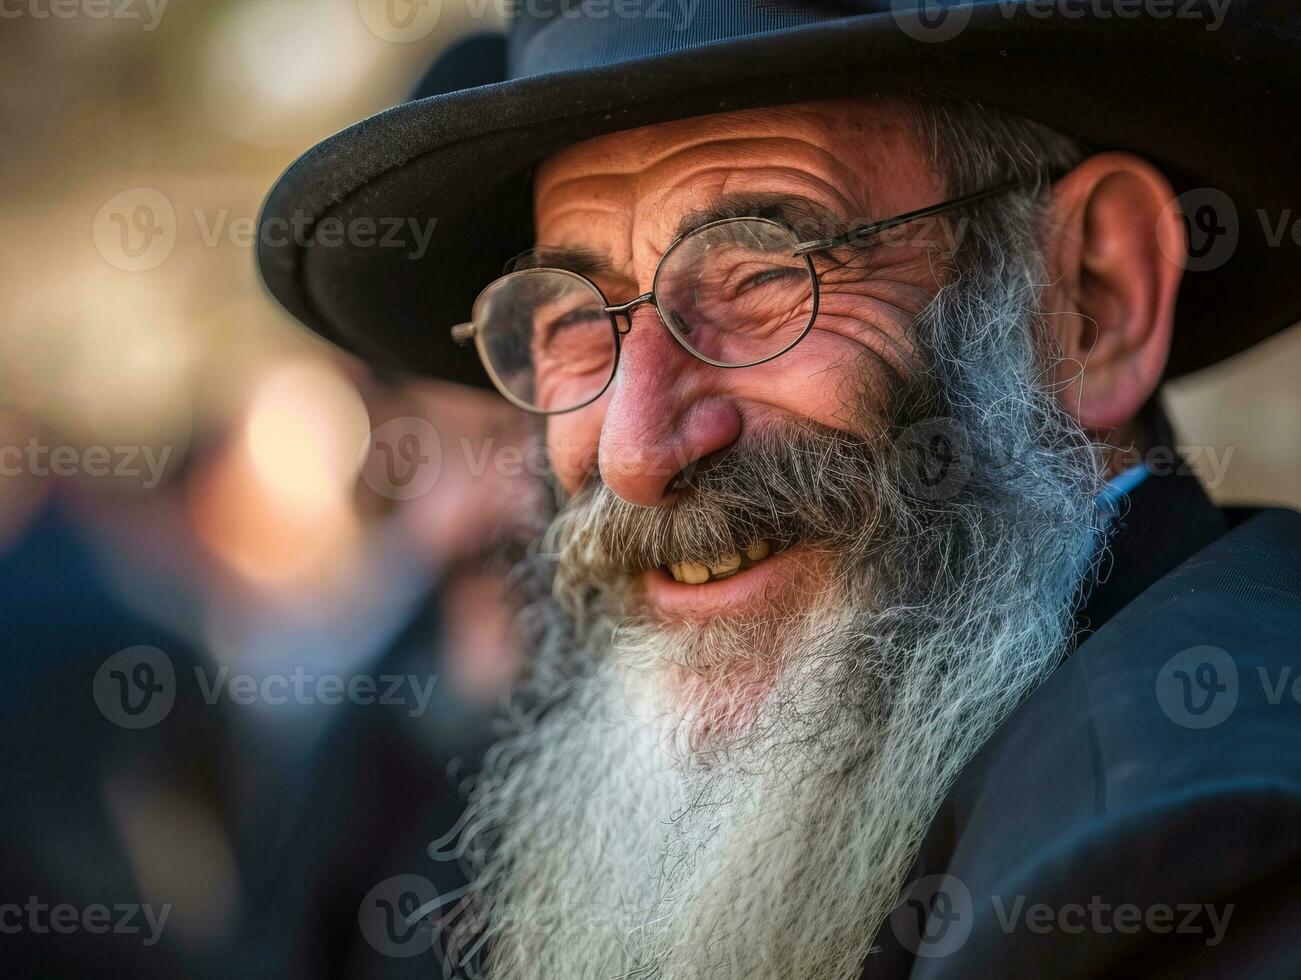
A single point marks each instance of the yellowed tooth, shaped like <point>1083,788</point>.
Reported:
<point>694,574</point>
<point>676,571</point>
<point>726,566</point>
<point>758,551</point>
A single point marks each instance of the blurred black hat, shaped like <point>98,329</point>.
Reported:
<point>1206,89</point>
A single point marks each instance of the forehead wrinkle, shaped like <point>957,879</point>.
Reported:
<point>580,211</point>
<point>847,124</point>
<point>851,183</point>
<point>608,190</point>
<point>579,215</point>
<point>675,204</point>
<point>644,179</point>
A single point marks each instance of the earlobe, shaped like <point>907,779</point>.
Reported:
<point>1117,252</point>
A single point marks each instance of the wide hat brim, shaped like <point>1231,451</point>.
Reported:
<point>380,237</point>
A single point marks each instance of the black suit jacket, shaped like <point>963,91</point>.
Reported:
<point>1140,813</point>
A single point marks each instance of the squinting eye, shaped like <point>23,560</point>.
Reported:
<point>584,315</point>
<point>765,277</point>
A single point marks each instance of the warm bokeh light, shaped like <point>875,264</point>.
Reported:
<point>249,85</point>
<point>306,427</point>
<point>277,504</point>
<point>263,536</point>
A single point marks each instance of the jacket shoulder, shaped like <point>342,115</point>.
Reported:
<point>1196,683</point>
<point>1160,766</point>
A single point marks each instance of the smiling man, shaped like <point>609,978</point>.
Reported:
<point>863,627</point>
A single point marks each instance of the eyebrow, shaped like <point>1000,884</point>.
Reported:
<point>809,219</point>
<point>584,261</point>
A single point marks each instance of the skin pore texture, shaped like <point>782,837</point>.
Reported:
<point>730,778</point>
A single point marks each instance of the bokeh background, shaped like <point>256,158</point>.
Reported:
<point>265,534</point>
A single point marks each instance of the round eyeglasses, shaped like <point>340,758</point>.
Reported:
<point>733,293</point>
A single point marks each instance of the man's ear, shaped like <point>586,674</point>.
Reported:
<point>1115,248</point>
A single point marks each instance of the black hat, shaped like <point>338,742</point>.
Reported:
<point>1206,89</point>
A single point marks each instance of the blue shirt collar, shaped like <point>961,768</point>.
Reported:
<point>1113,494</point>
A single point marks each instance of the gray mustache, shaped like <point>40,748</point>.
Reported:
<point>799,484</point>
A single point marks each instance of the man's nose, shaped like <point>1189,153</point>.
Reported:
<point>665,414</point>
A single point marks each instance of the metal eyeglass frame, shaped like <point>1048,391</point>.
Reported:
<point>463,333</point>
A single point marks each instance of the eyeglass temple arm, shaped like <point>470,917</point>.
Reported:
<point>876,227</point>
<point>463,333</point>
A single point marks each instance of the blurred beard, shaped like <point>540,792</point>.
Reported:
<point>744,798</point>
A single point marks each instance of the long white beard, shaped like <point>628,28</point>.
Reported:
<point>613,839</point>
<point>628,849</point>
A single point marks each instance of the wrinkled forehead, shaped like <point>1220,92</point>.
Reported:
<point>856,157</point>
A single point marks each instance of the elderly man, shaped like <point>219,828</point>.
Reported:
<point>845,349</point>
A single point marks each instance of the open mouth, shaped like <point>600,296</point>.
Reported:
<point>695,573</point>
<point>766,578</point>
